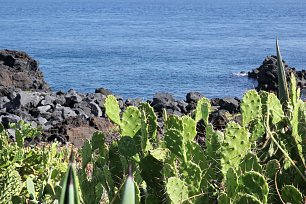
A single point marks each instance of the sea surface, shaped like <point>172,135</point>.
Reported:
<point>136,48</point>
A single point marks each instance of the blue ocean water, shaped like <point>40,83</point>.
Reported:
<point>136,48</point>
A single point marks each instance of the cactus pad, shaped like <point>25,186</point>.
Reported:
<point>192,175</point>
<point>235,146</point>
<point>174,142</point>
<point>202,110</point>
<point>275,108</point>
<point>254,183</point>
<point>151,119</point>
<point>97,140</point>
<point>249,199</point>
<point>131,121</point>
<point>176,190</point>
<point>250,107</point>
<point>291,194</point>
<point>272,168</point>
<point>189,128</point>
<point>174,122</point>
<point>112,109</point>
<point>127,146</point>
<point>231,182</point>
<point>250,163</point>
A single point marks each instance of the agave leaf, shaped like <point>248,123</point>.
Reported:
<point>129,191</point>
<point>69,193</point>
<point>283,93</point>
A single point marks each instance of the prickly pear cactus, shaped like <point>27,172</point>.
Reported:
<point>86,154</point>
<point>151,119</point>
<point>253,183</point>
<point>291,194</point>
<point>131,121</point>
<point>231,183</point>
<point>275,108</point>
<point>127,146</point>
<point>223,198</point>
<point>174,122</point>
<point>98,140</point>
<point>257,129</point>
<point>214,142</point>
<point>249,199</point>
<point>250,163</point>
<point>195,153</point>
<point>192,175</point>
<point>177,190</point>
<point>250,107</point>
<point>10,185</point>
<point>112,109</point>
<point>151,170</point>
<point>174,142</point>
<point>202,110</point>
<point>189,126</point>
<point>235,146</point>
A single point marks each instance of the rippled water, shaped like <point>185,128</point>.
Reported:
<point>138,47</point>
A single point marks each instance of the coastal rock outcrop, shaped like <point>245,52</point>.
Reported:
<point>19,70</point>
<point>266,75</point>
<point>72,116</point>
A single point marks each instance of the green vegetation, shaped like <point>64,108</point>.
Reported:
<point>258,160</point>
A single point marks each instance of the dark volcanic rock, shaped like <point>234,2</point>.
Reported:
<point>266,75</point>
<point>164,101</point>
<point>232,105</point>
<point>193,97</point>
<point>19,70</point>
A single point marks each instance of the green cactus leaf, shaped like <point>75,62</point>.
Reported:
<point>144,133</point>
<point>293,93</point>
<point>254,183</point>
<point>195,153</point>
<point>275,108</point>
<point>176,190</point>
<point>112,109</point>
<point>231,182</point>
<point>214,141</point>
<point>235,136</point>
<point>248,199</point>
<point>151,119</point>
<point>97,140</point>
<point>174,122</point>
<point>159,153</point>
<point>223,199</point>
<point>127,146</point>
<point>10,184</point>
<point>1,128</point>
<point>86,153</point>
<point>174,142</point>
<point>109,183</point>
<point>250,107</point>
<point>271,168</point>
<point>131,121</point>
<point>189,126</point>
<point>192,176</point>
<point>151,172</point>
<point>257,129</point>
<point>291,194</point>
<point>250,163</point>
<point>202,110</point>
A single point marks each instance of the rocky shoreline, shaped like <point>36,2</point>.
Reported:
<point>73,117</point>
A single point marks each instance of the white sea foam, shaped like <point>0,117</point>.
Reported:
<point>243,74</point>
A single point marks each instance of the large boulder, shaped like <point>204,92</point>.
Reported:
<point>19,70</point>
<point>266,75</point>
